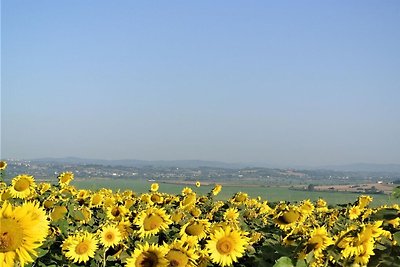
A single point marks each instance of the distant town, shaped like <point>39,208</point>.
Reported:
<point>324,180</point>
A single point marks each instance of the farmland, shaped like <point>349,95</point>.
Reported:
<point>269,193</point>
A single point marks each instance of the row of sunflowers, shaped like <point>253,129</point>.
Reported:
<point>60,225</point>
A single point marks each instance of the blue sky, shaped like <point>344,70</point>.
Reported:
<point>275,82</point>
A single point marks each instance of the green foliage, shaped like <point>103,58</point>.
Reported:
<point>396,192</point>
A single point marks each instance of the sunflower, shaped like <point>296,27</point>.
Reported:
<point>217,189</point>
<point>186,191</point>
<point>124,227</point>
<point>148,256</point>
<point>3,165</point>
<point>146,198</point>
<point>5,195</point>
<point>82,194</point>
<point>354,212</point>
<point>231,214</point>
<point>22,186</point>
<point>81,247</point>
<point>226,246</point>
<point>357,247</point>
<point>110,236</point>
<point>321,205</point>
<point>157,198</point>
<point>189,201</point>
<point>196,227</point>
<point>198,184</point>
<point>366,251</point>
<point>154,187</point>
<point>84,215</point>
<point>129,202</point>
<point>318,241</point>
<point>117,213</point>
<point>38,216</point>
<point>239,197</point>
<point>23,229</point>
<point>44,187</point>
<point>307,207</point>
<point>181,255</point>
<point>65,178</point>
<point>58,213</point>
<point>363,201</point>
<point>49,202</point>
<point>177,216</point>
<point>195,212</point>
<point>109,201</point>
<point>288,217</point>
<point>151,221</point>
<point>96,200</point>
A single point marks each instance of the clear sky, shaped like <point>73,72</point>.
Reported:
<point>276,82</point>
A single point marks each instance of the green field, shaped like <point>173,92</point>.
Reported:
<point>272,194</point>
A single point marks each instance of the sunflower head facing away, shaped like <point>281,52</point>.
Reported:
<point>217,189</point>
<point>65,178</point>
<point>197,228</point>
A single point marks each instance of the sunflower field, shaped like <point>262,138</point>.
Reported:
<point>43,224</point>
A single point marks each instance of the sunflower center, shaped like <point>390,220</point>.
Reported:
<point>22,185</point>
<point>194,229</point>
<point>147,259</point>
<point>155,198</point>
<point>152,221</point>
<point>82,248</point>
<point>240,198</point>
<point>289,217</point>
<point>109,237</point>
<point>224,245</point>
<point>65,178</point>
<point>177,258</point>
<point>317,241</point>
<point>115,212</point>
<point>2,164</point>
<point>11,235</point>
<point>314,243</point>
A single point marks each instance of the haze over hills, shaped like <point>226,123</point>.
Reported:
<point>143,163</point>
<point>364,167</point>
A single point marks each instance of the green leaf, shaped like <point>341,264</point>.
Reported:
<point>301,263</point>
<point>284,262</point>
<point>41,252</point>
<point>385,214</point>
<point>396,237</point>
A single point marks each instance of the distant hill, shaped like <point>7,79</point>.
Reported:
<point>357,167</point>
<point>365,167</point>
<point>143,163</point>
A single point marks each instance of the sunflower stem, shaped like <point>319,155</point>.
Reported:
<point>104,258</point>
